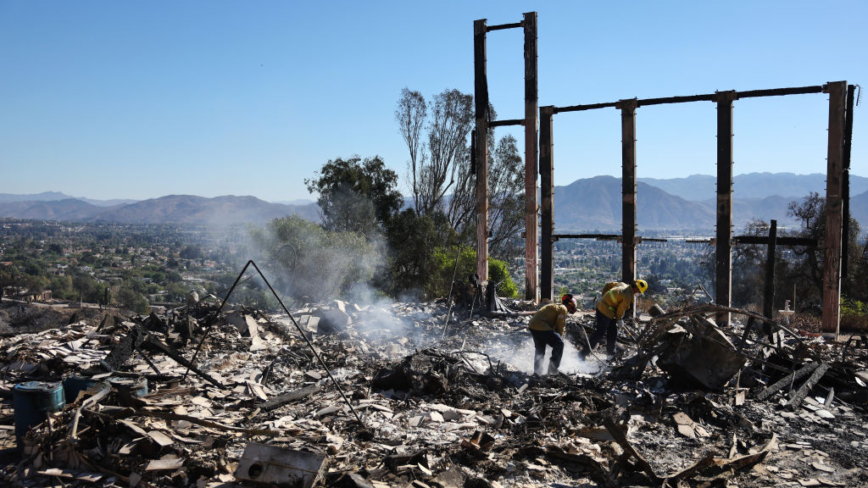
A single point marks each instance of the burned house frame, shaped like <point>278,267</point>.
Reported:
<point>837,175</point>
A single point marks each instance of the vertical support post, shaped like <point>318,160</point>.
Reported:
<point>481,96</point>
<point>546,170</point>
<point>628,189</point>
<point>723,260</point>
<point>769,295</point>
<point>531,122</point>
<point>834,207</point>
<point>845,190</point>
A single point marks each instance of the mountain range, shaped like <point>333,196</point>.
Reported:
<point>591,204</point>
<point>171,209</point>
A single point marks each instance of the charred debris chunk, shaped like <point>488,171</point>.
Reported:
<point>380,395</point>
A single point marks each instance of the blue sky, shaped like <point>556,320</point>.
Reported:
<point>139,100</point>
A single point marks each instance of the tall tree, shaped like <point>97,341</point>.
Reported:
<point>441,174</point>
<point>356,195</point>
<point>434,169</point>
<point>811,213</point>
<point>506,198</point>
<point>411,114</point>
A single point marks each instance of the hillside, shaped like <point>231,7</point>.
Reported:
<point>172,209</point>
<point>595,204</point>
<point>752,185</point>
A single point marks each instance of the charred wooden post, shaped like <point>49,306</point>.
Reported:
<point>531,122</point>
<point>845,189</point>
<point>546,170</point>
<point>769,295</point>
<point>628,189</point>
<point>834,207</point>
<point>723,260</point>
<point>481,96</point>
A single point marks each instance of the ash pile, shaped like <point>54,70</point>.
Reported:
<point>343,395</point>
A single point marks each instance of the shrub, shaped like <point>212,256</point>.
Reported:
<point>854,315</point>
<point>444,263</point>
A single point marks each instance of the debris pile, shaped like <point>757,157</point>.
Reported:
<point>380,396</point>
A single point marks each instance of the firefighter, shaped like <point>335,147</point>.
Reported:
<point>547,329</point>
<point>617,298</point>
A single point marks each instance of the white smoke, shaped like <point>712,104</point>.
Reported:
<point>519,351</point>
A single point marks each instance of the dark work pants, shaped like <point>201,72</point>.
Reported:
<point>541,339</point>
<point>606,326</point>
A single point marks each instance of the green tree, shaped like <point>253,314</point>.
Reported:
<point>444,259</point>
<point>441,174</point>
<point>413,240</point>
<point>356,195</point>
<point>506,199</point>
<point>190,252</point>
<point>808,270</point>
<point>130,299</point>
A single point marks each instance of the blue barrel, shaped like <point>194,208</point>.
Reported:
<point>74,385</point>
<point>31,401</point>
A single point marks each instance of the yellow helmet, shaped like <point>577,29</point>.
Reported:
<point>642,285</point>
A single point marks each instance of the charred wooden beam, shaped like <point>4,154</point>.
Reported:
<point>546,169</point>
<point>291,396</point>
<point>786,380</point>
<point>531,159</point>
<point>845,187</point>
<point>769,292</point>
<point>628,189</point>
<point>503,26</point>
<point>481,94</point>
<point>710,97</point>
<point>723,258</point>
<point>783,241</point>
<point>834,208</point>
<point>802,392</point>
<point>506,122</point>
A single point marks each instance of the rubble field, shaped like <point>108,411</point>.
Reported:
<point>384,395</point>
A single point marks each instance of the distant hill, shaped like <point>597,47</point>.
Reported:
<point>48,196</point>
<point>859,210</point>
<point>53,196</point>
<point>69,209</point>
<point>174,209</point>
<point>189,209</point>
<point>595,204</point>
<point>583,206</point>
<point>752,185</point>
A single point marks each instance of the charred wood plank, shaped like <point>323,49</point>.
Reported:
<point>788,379</point>
<point>287,397</point>
<point>159,346</point>
<point>802,392</point>
<point>621,439</point>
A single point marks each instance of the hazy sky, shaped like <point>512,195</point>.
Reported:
<point>107,99</point>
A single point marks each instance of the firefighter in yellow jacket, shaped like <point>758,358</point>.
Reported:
<point>617,298</point>
<point>547,328</point>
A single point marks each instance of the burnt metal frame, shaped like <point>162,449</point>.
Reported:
<point>840,133</point>
<point>530,123</point>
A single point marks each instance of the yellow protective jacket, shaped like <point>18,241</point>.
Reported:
<point>616,300</point>
<point>551,317</point>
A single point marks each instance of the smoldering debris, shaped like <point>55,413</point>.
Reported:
<point>396,402</point>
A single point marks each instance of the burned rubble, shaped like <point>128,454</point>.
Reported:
<point>215,394</point>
